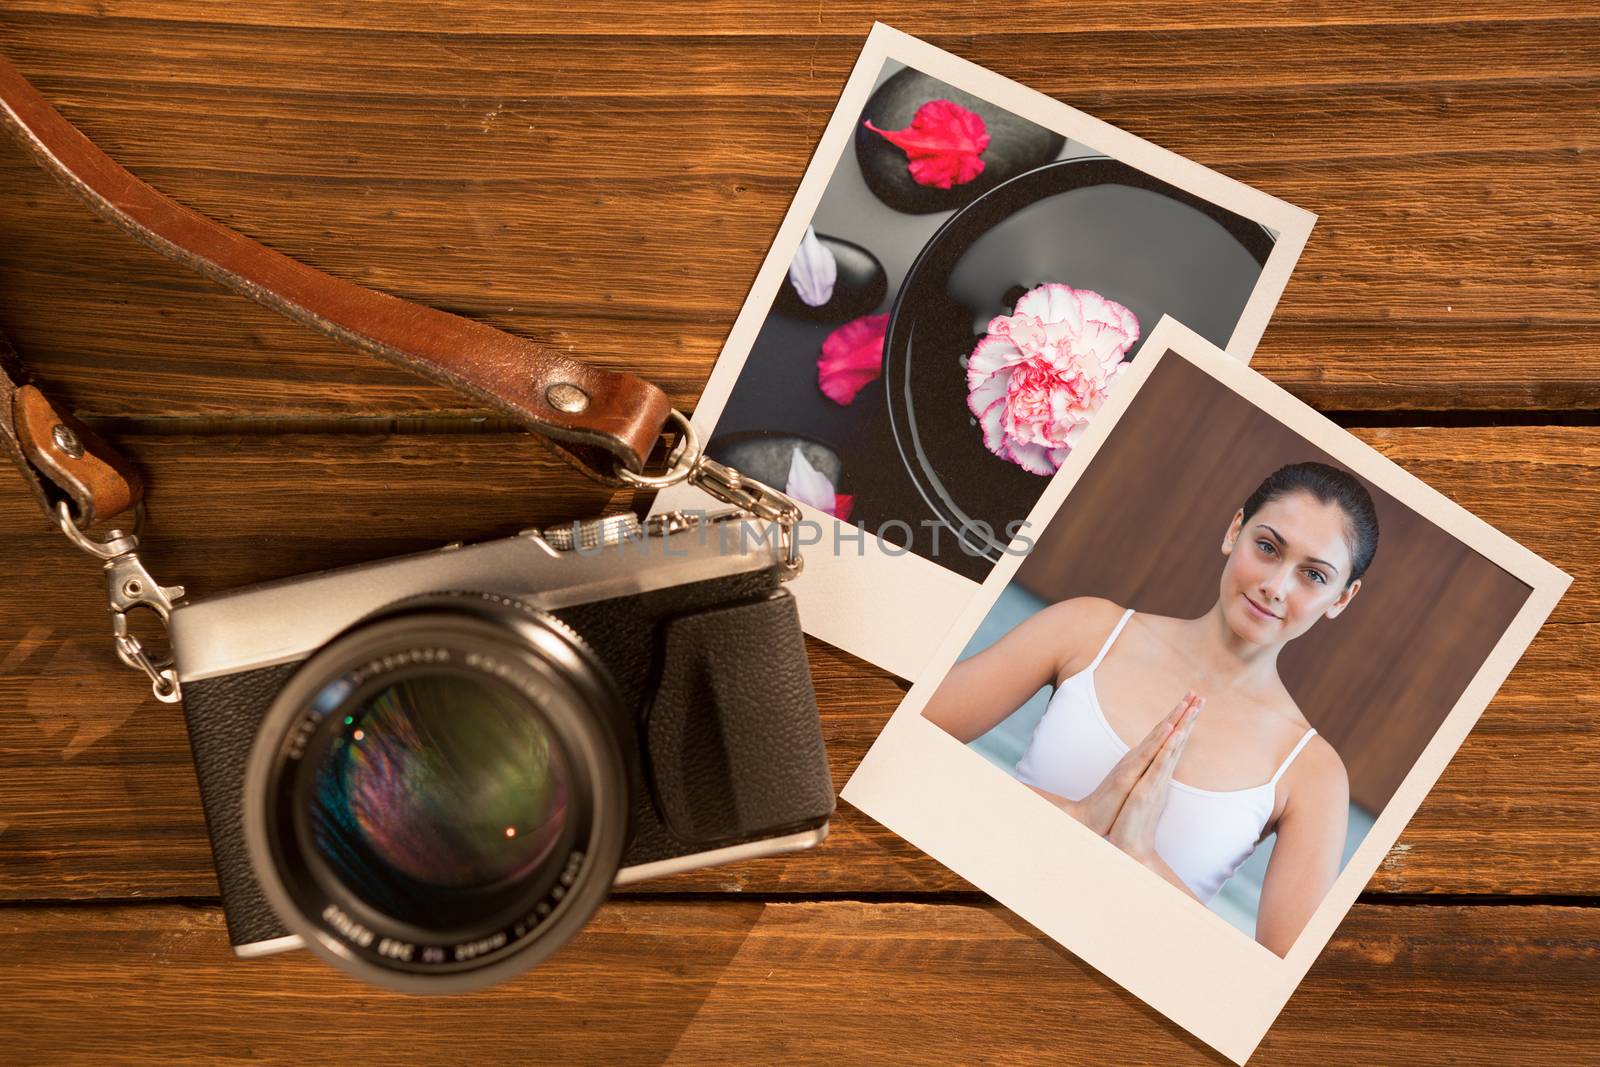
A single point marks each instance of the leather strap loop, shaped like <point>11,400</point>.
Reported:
<point>598,417</point>
<point>98,481</point>
<point>60,457</point>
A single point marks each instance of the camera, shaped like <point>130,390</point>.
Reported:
<point>431,770</point>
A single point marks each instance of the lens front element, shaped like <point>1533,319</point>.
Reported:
<point>437,799</point>
<point>437,790</point>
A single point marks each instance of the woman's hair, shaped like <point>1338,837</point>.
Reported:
<point>1329,485</point>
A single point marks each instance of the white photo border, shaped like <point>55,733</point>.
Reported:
<point>1185,961</point>
<point>843,598</point>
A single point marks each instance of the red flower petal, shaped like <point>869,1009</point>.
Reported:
<point>852,356</point>
<point>943,142</point>
<point>841,505</point>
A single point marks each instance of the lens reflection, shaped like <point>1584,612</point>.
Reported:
<point>448,782</point>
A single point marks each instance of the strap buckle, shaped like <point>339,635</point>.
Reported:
<point>688,462</point>
<point>129,585</point>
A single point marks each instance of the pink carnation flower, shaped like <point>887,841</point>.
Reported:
<point>1041,373</point>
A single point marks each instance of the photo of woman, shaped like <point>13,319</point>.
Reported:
<point>1205,659</point>
<point>1175,739</point>
<point>1195,707</point>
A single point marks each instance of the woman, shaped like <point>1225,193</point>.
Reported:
<point>1189,792</point>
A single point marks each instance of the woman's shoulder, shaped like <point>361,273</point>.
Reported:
<point>1096,612</point>
<point>1318,775</point>
<point>1087,609</point>
<point>1079,626</point>
<point>1084,618</point>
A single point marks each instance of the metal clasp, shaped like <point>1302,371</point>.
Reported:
<point>759,499</point>
<point>687,462</point>
<point>129,586</point>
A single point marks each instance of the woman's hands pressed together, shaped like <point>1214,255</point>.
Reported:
<point>1099,811</point>
<point>1134,829</point>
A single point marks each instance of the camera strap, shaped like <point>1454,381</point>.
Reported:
<point>606,423</point>
<point>601,418</point>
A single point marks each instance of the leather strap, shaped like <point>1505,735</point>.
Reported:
<point>60,458</point>
<point>597,416</point>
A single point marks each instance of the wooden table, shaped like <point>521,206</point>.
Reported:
<point>606,179</point>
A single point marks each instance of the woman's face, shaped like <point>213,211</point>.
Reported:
<point>1287,567</point>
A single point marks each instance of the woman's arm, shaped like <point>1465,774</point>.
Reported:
<point>1305,859</point>
<point>985,688</point>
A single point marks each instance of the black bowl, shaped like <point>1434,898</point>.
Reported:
<point>1090,223</point>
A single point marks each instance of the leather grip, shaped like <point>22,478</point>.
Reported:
<point>732,735</point>
<point>597,416</point>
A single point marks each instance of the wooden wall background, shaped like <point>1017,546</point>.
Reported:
<point>606,178</point>
<point>1143,527</point>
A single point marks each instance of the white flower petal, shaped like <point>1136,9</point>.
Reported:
<point>985,390</point>
<point>1097,308</point>
<point>1103,343</point>
<point>1052,302</point>
<point>809,485</point>
<point>993,421</point>
<point>813,271</point>
<point>990,355</point>
<point>1035,459</point>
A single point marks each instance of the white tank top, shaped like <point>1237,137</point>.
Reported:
<point>1203,835</point>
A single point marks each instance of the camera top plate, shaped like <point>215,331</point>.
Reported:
<point>285,621</point>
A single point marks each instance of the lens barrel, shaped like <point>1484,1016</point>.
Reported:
<point>438,798</point>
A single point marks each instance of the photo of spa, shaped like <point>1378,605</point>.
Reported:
<point>965,296</point>
<point>965,276</point>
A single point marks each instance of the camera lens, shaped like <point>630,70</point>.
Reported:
<point>437,791</point>
<point>437,799</point>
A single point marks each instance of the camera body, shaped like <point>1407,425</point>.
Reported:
<point>677,631</point>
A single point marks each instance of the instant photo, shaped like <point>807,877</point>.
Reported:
<point>1180,732</point>
<point>967,271</point>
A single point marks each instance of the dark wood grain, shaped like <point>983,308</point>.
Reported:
<point>606,179</point>
<point>852,18</point>
<point>558,186</point>
<point>746,982</point>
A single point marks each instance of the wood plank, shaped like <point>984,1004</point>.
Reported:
<point>732,981</point>
<point>123,333</point>
<point>97,798</point>
<point>84,58</point>
<point>549,186</point>
<point>848,17</point>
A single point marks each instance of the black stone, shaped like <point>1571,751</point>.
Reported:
<point>859,289</point>
<point>766,457</point>
<point>1015,145</point>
